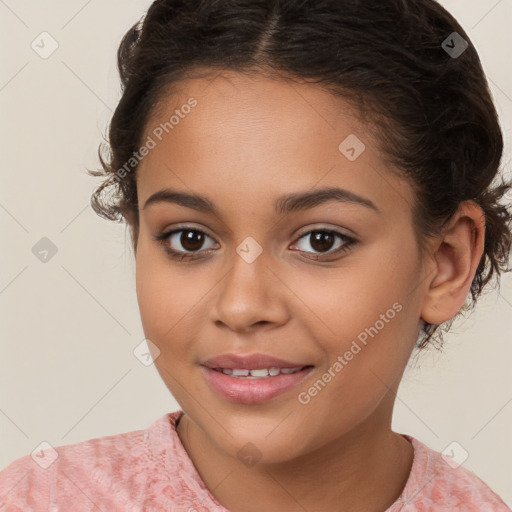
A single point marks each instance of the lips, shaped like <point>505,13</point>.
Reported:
<point>255,378</point>
<point>250,362</point>
<point>251,391</point>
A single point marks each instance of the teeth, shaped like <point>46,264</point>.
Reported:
<point>239,373</point>
<point>260,373</point>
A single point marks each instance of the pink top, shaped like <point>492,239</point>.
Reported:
<point>149,470</point>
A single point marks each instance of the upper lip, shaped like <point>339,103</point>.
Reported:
<point>249,362</point>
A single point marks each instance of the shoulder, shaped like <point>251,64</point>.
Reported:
<point>75,475</point>
<point>439,482</point>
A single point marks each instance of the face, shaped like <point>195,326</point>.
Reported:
<point>331,287</point>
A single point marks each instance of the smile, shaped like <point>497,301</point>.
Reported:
<point>255,386</point>
<point>259,373</point>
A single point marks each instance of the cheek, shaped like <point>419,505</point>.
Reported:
<point>366,318</point>
<point>149,289</point>
<point>157,295</point>
<point>168,297</point>
<point>337,305</point>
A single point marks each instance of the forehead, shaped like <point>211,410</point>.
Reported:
<point>258,137</point>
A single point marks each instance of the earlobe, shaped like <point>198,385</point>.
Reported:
<point>454,263</point>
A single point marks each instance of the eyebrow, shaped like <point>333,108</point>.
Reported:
<point>283,205</point>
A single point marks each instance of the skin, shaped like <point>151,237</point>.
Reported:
<point>247,142</point>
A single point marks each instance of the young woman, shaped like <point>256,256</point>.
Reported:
<point>310,187</point>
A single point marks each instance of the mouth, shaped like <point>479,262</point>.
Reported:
<point>257,362</point>
<point>259,373</point>
<point>256,385</point>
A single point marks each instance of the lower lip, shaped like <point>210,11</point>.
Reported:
<point>253,391</point>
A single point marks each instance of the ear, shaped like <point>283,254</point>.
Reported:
<point>454,261</point>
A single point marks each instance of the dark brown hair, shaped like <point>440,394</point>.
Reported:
<point>432,109</point>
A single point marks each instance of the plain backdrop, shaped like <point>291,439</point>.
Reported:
<point>69,325</point>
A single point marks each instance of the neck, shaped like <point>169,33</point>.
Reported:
<point>364,470</point>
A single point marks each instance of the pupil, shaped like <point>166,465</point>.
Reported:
<point>322,241</point>
<point>192,240</point>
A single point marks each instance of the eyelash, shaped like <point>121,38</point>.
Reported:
<point>163,239</point>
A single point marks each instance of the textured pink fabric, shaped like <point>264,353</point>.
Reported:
<point>149,470</point>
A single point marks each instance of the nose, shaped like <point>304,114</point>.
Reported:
<point>250,295</point>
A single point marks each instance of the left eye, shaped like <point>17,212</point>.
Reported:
<point>322,240</point>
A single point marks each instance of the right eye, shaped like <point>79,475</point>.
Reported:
<point>190,239</point>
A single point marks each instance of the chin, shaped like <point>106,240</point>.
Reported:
<point>268,440</point>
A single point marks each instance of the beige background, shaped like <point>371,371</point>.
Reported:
<point>69,326</point>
